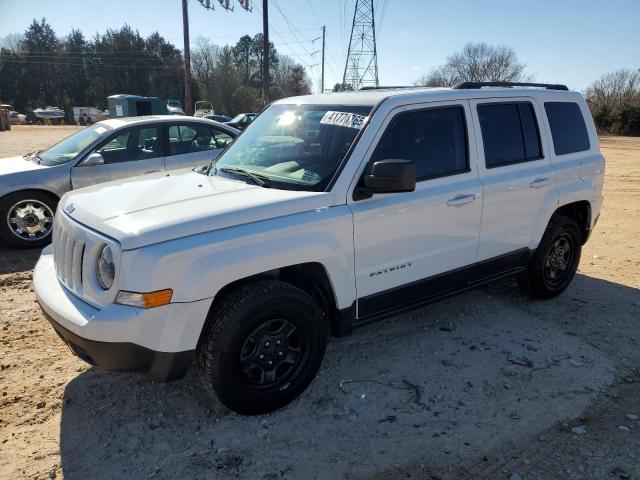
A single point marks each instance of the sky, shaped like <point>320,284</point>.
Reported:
<point>560,41</point>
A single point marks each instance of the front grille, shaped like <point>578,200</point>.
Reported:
<point>75,251</point>
<point>68,255</point>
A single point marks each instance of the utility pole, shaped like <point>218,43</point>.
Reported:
<point>187,59</point>
<point>265,51</point>
<point>324,29</point>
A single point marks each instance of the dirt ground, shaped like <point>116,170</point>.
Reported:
<point>29,138</point>
<point>486,385</point>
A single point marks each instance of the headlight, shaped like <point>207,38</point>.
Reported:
<point>105,268</point>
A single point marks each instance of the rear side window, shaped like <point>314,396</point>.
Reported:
<point>568,129</point>
<point>510,133</point>
<point>435,139</point>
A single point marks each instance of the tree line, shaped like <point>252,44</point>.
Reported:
<point>614,98</point>
<point>38,69</point>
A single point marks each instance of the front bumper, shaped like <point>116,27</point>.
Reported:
<point>159,341</point>
<point>125,357</point>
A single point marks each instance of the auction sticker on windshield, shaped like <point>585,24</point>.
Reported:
<point>344,119</point>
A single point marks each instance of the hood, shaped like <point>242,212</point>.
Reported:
<point>160,207</point>
<point>17,165</point>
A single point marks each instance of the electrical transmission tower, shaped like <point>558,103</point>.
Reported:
<point>361,68</point>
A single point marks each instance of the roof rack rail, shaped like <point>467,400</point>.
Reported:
<point>474,85</point>
<point>388,87</point>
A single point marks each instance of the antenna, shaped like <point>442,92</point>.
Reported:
<point>361,67</point>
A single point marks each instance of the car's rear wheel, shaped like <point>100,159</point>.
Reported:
<point>26,218</point>
<point>556,260</point>
<point>261,347</point>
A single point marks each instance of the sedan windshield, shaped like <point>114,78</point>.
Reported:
<point>69,148</point>
<point>296,147</point>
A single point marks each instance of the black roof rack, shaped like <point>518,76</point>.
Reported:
<point>388,87</point>
<point>474,85</point>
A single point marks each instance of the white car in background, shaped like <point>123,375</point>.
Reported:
<point>31,185</point>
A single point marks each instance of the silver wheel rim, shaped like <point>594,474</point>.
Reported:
<point>30,220</point>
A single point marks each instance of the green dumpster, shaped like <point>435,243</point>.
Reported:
<point>135,105</point>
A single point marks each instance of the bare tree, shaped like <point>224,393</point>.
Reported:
<point>204,62</point>
<point>477,62</point>
<point>614,100</point>
<point>12,41</point>
<point>289,78</point>
<point>615,90</point>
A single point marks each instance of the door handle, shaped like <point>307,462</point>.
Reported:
<point>461,200</point>
<point>152,171</point>
<point>540,182</point>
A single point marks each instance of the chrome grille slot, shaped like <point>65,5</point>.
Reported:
<point>62,251</point>
<point>68,260</point>
<point>76,265</point>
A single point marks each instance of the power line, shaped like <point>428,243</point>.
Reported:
<point>296,55</point>
<point>293,27</point>
<point>384,11</point>
<point>92,65</point>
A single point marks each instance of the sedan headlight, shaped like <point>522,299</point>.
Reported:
<point>105,268</point>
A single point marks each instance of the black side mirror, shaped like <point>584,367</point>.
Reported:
<point>388,176</point>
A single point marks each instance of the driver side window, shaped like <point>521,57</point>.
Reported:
<point>115,150</point>
<point>133,144</point>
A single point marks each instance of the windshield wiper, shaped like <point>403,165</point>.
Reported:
<point>34,155</point>
<point>260,180</point>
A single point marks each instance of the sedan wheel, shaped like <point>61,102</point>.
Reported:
<point>28,221</point>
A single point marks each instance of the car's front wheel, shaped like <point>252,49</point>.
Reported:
<point>26,218</point>
<point>261,347</point>
<point>556,260</point>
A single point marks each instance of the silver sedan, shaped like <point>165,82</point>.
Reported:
<point>31,185</point>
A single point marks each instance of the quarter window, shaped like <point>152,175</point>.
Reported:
<point>568,129</point>
<point>435,139</point>
<point>509,133</point>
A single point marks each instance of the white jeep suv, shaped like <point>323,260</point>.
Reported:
<point>329,212</point>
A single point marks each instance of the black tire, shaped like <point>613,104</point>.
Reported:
<point>7,204</point>
<point>239,329</point>
<point>556,259</point>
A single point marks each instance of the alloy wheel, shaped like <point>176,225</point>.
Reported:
<point>30,220</point>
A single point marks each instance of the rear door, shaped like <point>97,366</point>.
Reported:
<point>126,153</point>
<point>194,144</point>
<point>518,179</point>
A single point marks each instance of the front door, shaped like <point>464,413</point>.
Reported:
<point>403,240</point>
<point>126,153</point>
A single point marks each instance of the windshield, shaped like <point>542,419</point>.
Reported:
<point>297,147</point>
<point>69,148</point>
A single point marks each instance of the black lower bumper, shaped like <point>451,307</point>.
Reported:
<point>124,356</point>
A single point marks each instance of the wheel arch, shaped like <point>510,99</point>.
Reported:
<point>311,277</point>
<point>55,196</point>
<point>579,211</point>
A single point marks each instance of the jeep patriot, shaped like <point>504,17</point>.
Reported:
<point>329,212</point>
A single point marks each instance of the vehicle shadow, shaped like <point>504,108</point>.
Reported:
<point>17,260</point>
<point>440,385</point>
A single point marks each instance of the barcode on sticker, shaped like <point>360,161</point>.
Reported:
<point>344,119</point>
